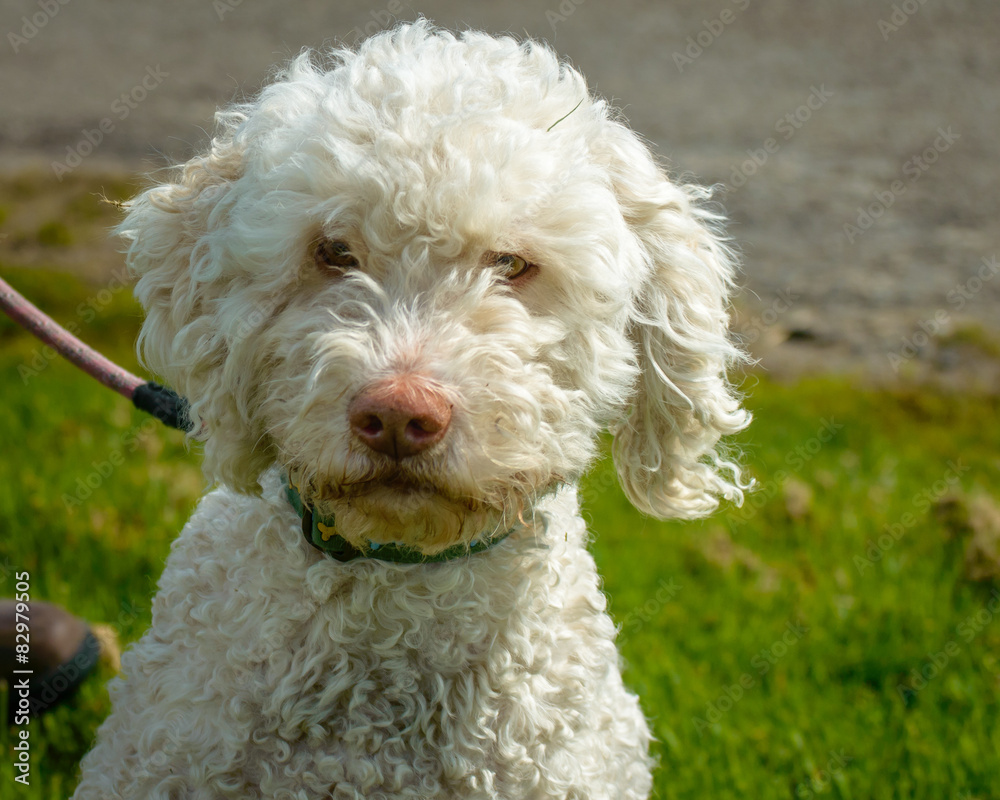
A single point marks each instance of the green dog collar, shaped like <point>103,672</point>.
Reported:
<point>320,532</point>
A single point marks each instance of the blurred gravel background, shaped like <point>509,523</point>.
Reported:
<point>855,143</point>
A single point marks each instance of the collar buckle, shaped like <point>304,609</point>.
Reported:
<point>338,547</point>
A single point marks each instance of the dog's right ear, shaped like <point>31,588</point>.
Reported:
<point>172,232</point>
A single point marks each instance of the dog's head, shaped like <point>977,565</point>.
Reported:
<point>423,277</point>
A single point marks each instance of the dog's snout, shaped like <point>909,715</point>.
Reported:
<point>400,416</point>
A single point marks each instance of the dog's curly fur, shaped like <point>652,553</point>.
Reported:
<point>274,671</point>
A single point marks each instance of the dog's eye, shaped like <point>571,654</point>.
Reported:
<point>513,268</point>
<point>331,254</point>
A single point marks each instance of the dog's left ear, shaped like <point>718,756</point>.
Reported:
<point>667,444</point>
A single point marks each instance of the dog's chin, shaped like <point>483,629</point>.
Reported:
<point>418,515</point>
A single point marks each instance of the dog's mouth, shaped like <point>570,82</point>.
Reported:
<point>396,484</point>
<point>388,489</point>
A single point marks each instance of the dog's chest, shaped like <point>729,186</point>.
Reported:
<point>271,671</point>
<point>383,677</point>
<point>396,662</point>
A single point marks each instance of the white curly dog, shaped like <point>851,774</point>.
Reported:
<point>404,292</point>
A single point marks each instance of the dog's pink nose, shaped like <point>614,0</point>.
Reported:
<point>400,416</point>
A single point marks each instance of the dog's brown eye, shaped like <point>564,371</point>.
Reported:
<point>512,267</point>
<point>331,254</point>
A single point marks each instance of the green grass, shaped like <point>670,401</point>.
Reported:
<point>793,594</point>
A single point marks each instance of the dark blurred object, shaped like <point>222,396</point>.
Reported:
<point>62,652</point>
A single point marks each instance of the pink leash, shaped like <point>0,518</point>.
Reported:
<point>161,402</point>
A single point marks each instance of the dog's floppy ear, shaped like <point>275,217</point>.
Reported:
<point>667,444</point>
<point>171,232</point>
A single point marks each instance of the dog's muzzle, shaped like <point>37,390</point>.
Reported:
<point>320,531</point>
